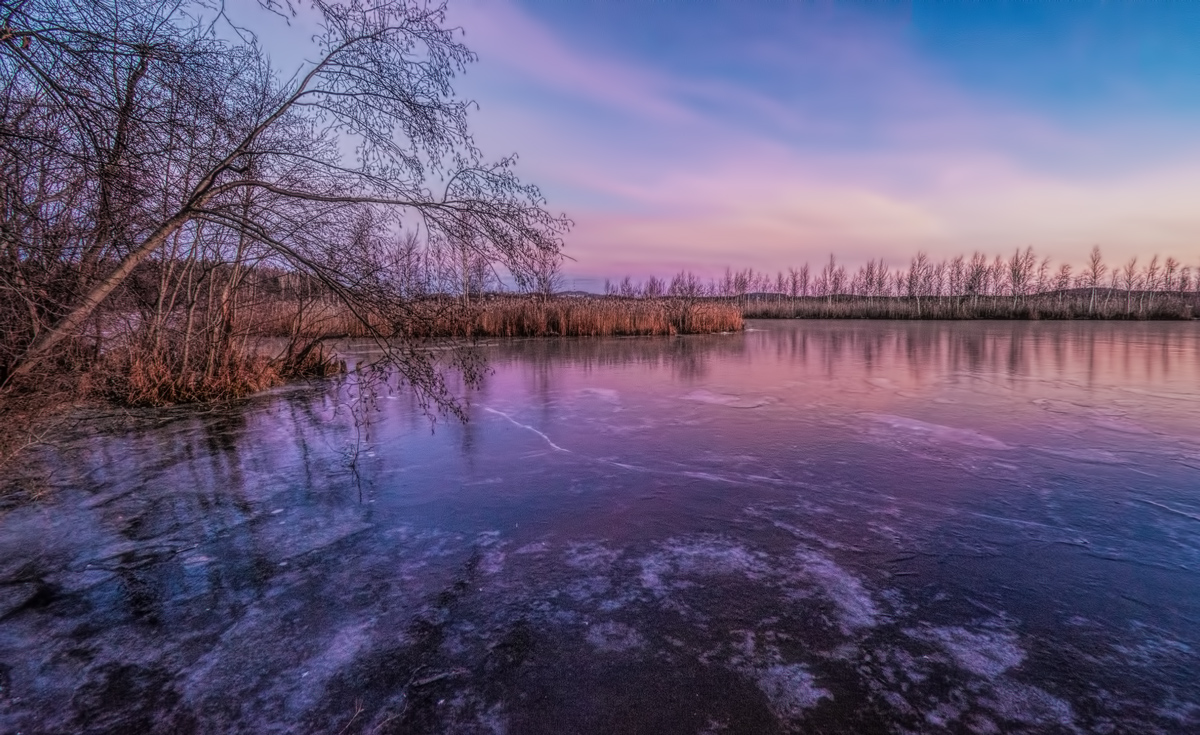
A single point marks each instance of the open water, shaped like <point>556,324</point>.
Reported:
<point>817,527</point>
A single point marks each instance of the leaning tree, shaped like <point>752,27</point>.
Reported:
<point>132,127</point>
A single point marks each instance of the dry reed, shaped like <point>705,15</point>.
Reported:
<point>498,316</point>
<point>602,317</point>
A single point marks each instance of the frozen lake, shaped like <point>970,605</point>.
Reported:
<point>818,527</point>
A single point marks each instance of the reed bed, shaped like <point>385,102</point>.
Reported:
<point>498,316</point>
<point>174,364</point>
<point>139,375</point>
<point>166,371</point>
<point>602,317</point>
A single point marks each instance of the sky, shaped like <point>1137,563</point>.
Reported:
<point>707,133</point>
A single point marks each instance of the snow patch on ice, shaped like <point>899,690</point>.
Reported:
<point>591,556</point>
<point>940,433</point>
<point>668,568</point>
<point>855,607</point>
<point>1029,705</point>
<point>604,394</point>
<point>612,637</point>
<point>790,689</point>
<point>700,558</point>
<point>492,562</point>
<point>468,712</point>
<point>726,399</point>
<point>985,653</point>
<point>586,589</point>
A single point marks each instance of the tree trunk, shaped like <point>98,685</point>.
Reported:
<point>70,323</point>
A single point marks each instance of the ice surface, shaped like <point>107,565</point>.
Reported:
<point>813,566</point>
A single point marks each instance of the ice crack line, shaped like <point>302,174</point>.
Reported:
<point>1169,509</point>
<point>526,426</point>
<point>614,463</point>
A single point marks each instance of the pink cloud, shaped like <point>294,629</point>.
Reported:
<point>763,213</point>
<point>506,37</point>
<point>949,171</point>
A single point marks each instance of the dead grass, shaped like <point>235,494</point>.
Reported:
<point>134,375</point>
<point>138,374</point>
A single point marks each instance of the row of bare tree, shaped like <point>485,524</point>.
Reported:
<point>154,165</point>
<point>1019,277</point>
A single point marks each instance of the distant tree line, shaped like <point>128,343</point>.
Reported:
<point>1022,284</point>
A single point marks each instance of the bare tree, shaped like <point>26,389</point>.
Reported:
<point>975,282</point>
<point>1062,281</point>
<point>1021,273</point>
<point>916,282</point>
<point>798,281</point>
<point>832,280</point>
<point>547,274</point>
<point>685,285</point>
<point>1150,282</point>
<point>654,288</point>
<point>937,280</point>
<point>1043,276</point>
<point>1094,273</point>
<point>1170,268</point>
<point>837,279</point>
<point>1132,280</point>
<point>143,124</point>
